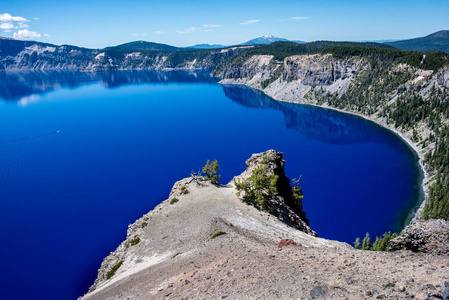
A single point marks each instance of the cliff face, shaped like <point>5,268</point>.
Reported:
<point>377,89</point>
<point>205,243</point>
<point>283,205</point>
<point>293,78</point>
<point>37,56</point>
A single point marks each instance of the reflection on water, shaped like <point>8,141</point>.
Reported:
<point>316,123</point>
<point>19,85</point>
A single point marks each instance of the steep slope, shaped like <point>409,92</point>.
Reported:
<point>407,92</point>
<point>435,41</point>
<point>205,243</point>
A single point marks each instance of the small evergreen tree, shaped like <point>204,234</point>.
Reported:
<point>212,169</point>
<point>366,243</point>
<point>297,191</point>
<point>357,243</point>
<point>258,188</point>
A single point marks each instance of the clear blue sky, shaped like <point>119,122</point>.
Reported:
<point>97,24</point>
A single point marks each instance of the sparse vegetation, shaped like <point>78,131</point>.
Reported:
<point>184,190</point>
<point>212,171</point>
<point>380,244</point>
<point>134,241</point>
<point>217,234</point>
<point>257,188</point>
<point>173,200</point>
<point>114,269</point>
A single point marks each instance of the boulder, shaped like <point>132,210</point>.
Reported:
<point>431,236</point>
<point>286,242</point>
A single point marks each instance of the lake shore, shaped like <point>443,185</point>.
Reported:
<point>425,175</point>
<point>416,212</point>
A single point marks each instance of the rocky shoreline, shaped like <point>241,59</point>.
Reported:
<point>426,176</point>
<point>308,79</point>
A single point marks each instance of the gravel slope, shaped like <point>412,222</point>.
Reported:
<point>177,258</point>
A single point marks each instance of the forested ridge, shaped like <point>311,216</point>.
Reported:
<point>421,107</point>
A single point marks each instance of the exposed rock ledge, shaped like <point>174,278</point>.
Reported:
<point>210,245</point>
<point>430,236</point>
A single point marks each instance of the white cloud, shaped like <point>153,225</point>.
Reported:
<point>46,35</point>
<point>211,25</point>
<point>297,18</point>
<point>249,22</point>
<point>188,30</point>
<point>159,32</point>
<point>8,18</point>
<point>26,35</point>
<point>202,28</point>
<point>7,22</point>
<point>34,18</point>
<point>7,26</point>
<point>139,34</point>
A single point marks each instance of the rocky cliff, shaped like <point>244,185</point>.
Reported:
<point>38,56</point>
<point>292,79</point>
<point>205,243</point>
<point>409,100</point>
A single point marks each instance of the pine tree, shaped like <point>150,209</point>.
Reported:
<point>212,169</point>
<point>357,243</point>
<point>366,243</point>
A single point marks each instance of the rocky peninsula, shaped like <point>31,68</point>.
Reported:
<point>203,242</point>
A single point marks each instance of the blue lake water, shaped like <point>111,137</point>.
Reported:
<point>82,155</point>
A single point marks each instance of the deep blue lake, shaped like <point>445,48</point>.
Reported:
<point>82,155</point>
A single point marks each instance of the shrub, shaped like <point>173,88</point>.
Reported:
<point>133,241</point>
<point>113,270</point>
<point>184,191</point>
<point>258,188</point>
<point>174,200</point>
<point>212,169</point>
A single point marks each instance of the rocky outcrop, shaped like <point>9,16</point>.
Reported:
<point>430,236</point>
<point>318,69</point>
<point>291,79</point>
<point>283,205</point>
<point>208,244</point>
<point>38,56</point>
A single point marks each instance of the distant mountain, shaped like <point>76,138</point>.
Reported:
<point>376,41</point>
<point>144,46</point>
<point>266,39</point>
<point>206,46</point>
<point>435,41</point>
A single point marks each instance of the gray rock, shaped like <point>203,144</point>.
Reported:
<point>424,236</point>
<point>284,206</point>
<point>318,292</point>
<point>429,287</point>
<point>446,291</point>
